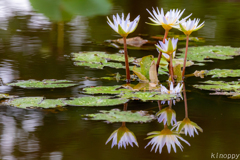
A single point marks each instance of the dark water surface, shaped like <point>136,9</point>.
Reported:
<point>28,50</point>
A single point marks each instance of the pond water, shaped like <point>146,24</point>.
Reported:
<point>28,50</point>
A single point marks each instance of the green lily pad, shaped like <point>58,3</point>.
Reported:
<point>98,60</point>
<point>205,53</point>
<point>220,86</point>
<point>97,57</point>
<point>148,96</point>
<point>233,95</point>
<point>216,73</point>
<point>4,96</point>
<point>101,65</point>
<point>106,90</point>
<point>47,83</point>
<point>116,115</point>
<point>96,101</point>
<point>35,102</point>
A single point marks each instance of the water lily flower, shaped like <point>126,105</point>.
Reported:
<point>187,27</point>
<point>124,27</point>
<point>121,26</point>
<point>165,137</point>
<point>168,47</point>
<point>169,20</point>
<point>172,90</point>
<point>167,116</point>
<point>188,127</point>
<point>122,137</point>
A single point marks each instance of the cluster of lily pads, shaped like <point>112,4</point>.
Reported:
<point>147,71</point>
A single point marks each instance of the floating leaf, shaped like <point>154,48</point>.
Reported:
<point>105,90</point>
<point>116,115</point>
<point>148,96</point>
<point>99,60</point>
<point>216,73</point>
<point>47,83</point>
<point>220,86</point>
<point>96,101</point>
<point>101,65</point>
<point>202,53</point>
<point>35,102</point>
<point>181,61</point>
<point>96,57</point>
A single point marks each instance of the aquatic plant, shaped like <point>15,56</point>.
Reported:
<point>124,27</point>
<point>187,27</point>
<point>167,21</point>
<point>169,47</point>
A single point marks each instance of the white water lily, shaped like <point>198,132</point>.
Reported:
<point>167,116</point>
<point>188,127</point>
<point>121,26</point>
<point>189,26</point>
<point>165,137</point>
<point>168,47</point>
<point>122,137</point>
<point>172,90</point>
<point>169,20</point>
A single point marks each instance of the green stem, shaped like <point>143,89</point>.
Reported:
<point>185,58</point>
<point>160,53</point>
<point>126,60</point>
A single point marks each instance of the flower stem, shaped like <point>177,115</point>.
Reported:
<point>160,53</point>
<point>126,60</point>
<point>159,105</point>
<point>171,69</point>
<point>125,106</point>
<point>185,58</point>
<point>185,100</point>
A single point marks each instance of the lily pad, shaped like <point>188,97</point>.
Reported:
<point>205,53</point>
<point>101,65</point>
<point>148,96</point>
<point>35,102</point>
<point>216,73</point>
<point>96,101</point>
<point>116,115</point>
<point>47,83</point>
<point>220,86</point>
<point>106,90</point>
<point>97,57</point>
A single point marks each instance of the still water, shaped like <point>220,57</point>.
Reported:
<point>28,50</point>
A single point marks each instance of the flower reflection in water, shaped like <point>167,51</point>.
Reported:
<point>165,137</point>
<point>187,125</point>
<point>122,137</point>
<point>167,115</point>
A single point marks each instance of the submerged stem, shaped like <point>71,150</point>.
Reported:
<point>185,58</point>
<point>126,60</point>
<point>160,53</point>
